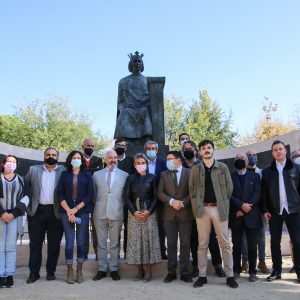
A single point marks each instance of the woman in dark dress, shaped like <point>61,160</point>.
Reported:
<point>143,247</point>
<point>75,194</point>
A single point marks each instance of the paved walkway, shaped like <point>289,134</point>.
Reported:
<point>284,289</point>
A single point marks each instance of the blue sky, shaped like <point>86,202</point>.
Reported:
<point>240,51</point>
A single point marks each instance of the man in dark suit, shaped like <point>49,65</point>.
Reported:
<point>245,215</point>
<point>281,204</point>
<point>92,163</point>
<point>126,164</point>
<point>173,192</point>
<point>157,165</point>
<point>43,215</point>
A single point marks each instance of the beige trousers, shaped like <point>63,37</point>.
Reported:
<point>211,216</point>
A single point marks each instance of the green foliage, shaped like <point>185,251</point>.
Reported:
<point>41,124</point>
<point>203,119</point>
<point>174,120</point>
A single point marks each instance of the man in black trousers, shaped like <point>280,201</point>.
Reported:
<point>245,214</point>
<point>173,192</point>
<point>281,203</point>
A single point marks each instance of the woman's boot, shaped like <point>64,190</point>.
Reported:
<point>70,275</point>
<point>79,276</point>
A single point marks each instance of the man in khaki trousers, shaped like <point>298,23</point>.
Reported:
<point>210,188</point>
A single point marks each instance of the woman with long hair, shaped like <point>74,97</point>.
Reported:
<point>75,194</point>
<point>13,204</point>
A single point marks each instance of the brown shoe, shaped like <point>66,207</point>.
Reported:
<point>262,266</point>
<point>245,266</point>
<point>70,274</point>
<point>79,276</point>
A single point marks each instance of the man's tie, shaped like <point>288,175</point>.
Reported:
<point>109,179</point>
<point>174,173</point>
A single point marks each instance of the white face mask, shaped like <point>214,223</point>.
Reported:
<point>10,167</point>
<point>297,161</point>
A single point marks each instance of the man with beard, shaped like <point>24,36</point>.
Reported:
<point>43,215</point>
<point>211,187</point>
<point>108,214</point>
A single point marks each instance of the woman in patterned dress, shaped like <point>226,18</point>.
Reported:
<point>143,247</point>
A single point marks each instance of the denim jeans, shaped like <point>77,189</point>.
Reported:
<point>80,232</point>
<point>8,247</point>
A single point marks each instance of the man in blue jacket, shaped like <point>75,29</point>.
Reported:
<point>245,215</point>
<point>157,165</point>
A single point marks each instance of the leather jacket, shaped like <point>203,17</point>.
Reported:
<point>141,192</point>
<point>270,187</point>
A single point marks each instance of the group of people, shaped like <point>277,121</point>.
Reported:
<point>190,195</point>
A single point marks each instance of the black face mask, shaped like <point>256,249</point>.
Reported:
<point>240,164</point>
<point>120,150</point>
<point>88,151</point>
<point>50,161</point>
<point>189,154</point>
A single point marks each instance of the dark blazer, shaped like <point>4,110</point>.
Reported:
<point>270,187</point>
<point>166,191</point>
<point>127,165</point>
<point>84,191</point>
<point>143,188</point>
<point>251,193</point>
<point>160,166</point>
<point>94,165</point>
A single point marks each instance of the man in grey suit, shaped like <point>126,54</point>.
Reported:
<point>173,191</point>
<point>43,215</point>
<point>108,214</point>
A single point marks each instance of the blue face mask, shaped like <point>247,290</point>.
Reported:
<point>76,163</point>
<point>252,160</point>
<point>151,154</point>
<point>170,165</point>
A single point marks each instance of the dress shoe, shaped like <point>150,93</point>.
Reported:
<point>245,266</point>
<point>186,278</point>
<point>100,275</point>
<point>147,278</point>
<point>33,277</point>
<point>115,275</point>
<point>230,281</point>
<point>170,277</point>
<point>200,281</point>
<point>195,272</point>
<point>9,281</point>
<point>164,256</point>
<point>253,278</point>
<point>50,276</point>
<point>292,270</point>
<point>263,267</point>
<point>220,272</point>
<point>274,276</point>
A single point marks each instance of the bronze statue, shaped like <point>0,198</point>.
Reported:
<point>134,108</point>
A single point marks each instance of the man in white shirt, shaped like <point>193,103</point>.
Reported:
<point>43,215</point>
<point>281,203</point>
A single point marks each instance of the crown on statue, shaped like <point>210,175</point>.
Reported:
<point>136,54</point>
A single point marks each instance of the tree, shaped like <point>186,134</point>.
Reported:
<point>268,126</point>
<point>174,120</point>
<point>44,123</point>
<point>205,119</point>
